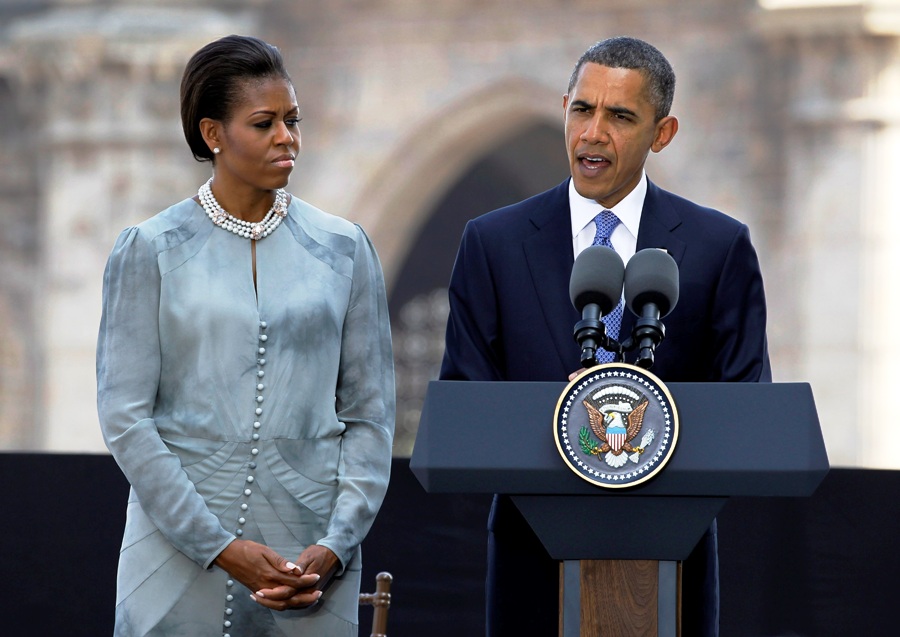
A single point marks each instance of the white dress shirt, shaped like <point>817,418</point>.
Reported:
<point>624,237</point>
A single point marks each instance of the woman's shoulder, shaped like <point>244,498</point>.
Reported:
<point>314,219</point>
<point>171,227</point>
<point>174,218</point>
<point>316,229</point>
<point>341,243</point>
<point>178,226</point>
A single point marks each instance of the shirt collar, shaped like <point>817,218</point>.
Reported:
<point>628,210</point>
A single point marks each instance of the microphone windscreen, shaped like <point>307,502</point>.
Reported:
<point>651,277</point>
<point>597,278</point>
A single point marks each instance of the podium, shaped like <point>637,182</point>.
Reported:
<point>736,439</point>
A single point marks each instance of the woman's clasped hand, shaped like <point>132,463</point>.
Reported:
<point>278,583</point>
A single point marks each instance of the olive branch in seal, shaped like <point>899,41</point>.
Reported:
<point>587,445</point>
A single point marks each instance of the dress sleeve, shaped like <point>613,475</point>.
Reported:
<point>739,319</point>
<point>472,331</point>
<point>128,369</point>
<point>365,404</point>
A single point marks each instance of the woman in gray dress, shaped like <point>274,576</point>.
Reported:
<point>245,380</point>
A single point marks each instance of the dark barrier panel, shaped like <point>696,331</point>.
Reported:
<point>794,567</point>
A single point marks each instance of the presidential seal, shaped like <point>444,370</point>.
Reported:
<point>616,425</point>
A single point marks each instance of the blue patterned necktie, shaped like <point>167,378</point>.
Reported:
<point>606,222</point>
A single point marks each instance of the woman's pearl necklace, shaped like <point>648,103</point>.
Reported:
<point>246,229</point>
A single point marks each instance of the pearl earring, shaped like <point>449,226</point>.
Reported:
<point>216,150</point>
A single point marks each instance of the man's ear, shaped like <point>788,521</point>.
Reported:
<point>665,132</point>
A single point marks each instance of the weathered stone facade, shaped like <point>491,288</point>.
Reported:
<point>788,110</point>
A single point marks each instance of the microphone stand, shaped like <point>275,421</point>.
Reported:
<point>648,332</point>
<point>590,333</point>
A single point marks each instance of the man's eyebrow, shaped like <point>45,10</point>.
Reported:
<point>621,110</point>
<point>615,110</point>
<point>582,104</point>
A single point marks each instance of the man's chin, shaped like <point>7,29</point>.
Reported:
<point>590,190</point>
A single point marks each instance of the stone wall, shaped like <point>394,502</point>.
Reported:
<point>787,111</point>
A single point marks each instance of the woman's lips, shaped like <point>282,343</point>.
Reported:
<point>285,161</point>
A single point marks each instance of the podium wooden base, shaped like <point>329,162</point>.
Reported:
<point>619,598</point>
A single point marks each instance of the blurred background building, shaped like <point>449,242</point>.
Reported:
<point>418,116</point>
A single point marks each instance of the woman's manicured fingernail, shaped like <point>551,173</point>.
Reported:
<point>253,597</point>
<point>291,565</point>
<point>259,594</point>
<point>318,595</point>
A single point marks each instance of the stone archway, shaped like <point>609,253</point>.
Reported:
<point>398,199</point>
<point>490,153</point>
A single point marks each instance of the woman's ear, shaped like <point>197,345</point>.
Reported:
<point>210,129</point>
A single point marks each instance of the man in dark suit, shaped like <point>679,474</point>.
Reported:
<point>511,317</point>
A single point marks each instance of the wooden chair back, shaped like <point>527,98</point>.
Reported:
<point>381,600</point>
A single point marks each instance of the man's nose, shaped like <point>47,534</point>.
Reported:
<point>597,130</point>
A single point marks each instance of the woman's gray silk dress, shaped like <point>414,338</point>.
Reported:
<point>263,414</point>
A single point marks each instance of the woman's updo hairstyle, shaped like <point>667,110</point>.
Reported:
<point>210,86</point>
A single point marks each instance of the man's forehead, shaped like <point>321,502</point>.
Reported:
<point>624,83</point>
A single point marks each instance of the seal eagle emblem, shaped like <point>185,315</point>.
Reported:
<point>616,425</point>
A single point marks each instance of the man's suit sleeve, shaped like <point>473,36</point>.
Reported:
<point>472,327</point>
<point>739,316</point>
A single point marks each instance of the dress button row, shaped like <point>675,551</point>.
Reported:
<point>242,520</point>
<point>226,623</point>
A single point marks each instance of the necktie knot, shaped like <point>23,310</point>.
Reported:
<point>606,222</point>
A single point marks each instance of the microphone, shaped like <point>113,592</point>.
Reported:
<point>651,292</point>
<point>595,288</point>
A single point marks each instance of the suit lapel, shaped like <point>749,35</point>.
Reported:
<point>658,221</point>
<point>548,252</point>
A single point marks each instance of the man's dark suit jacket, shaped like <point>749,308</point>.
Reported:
<point>511,318</point>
